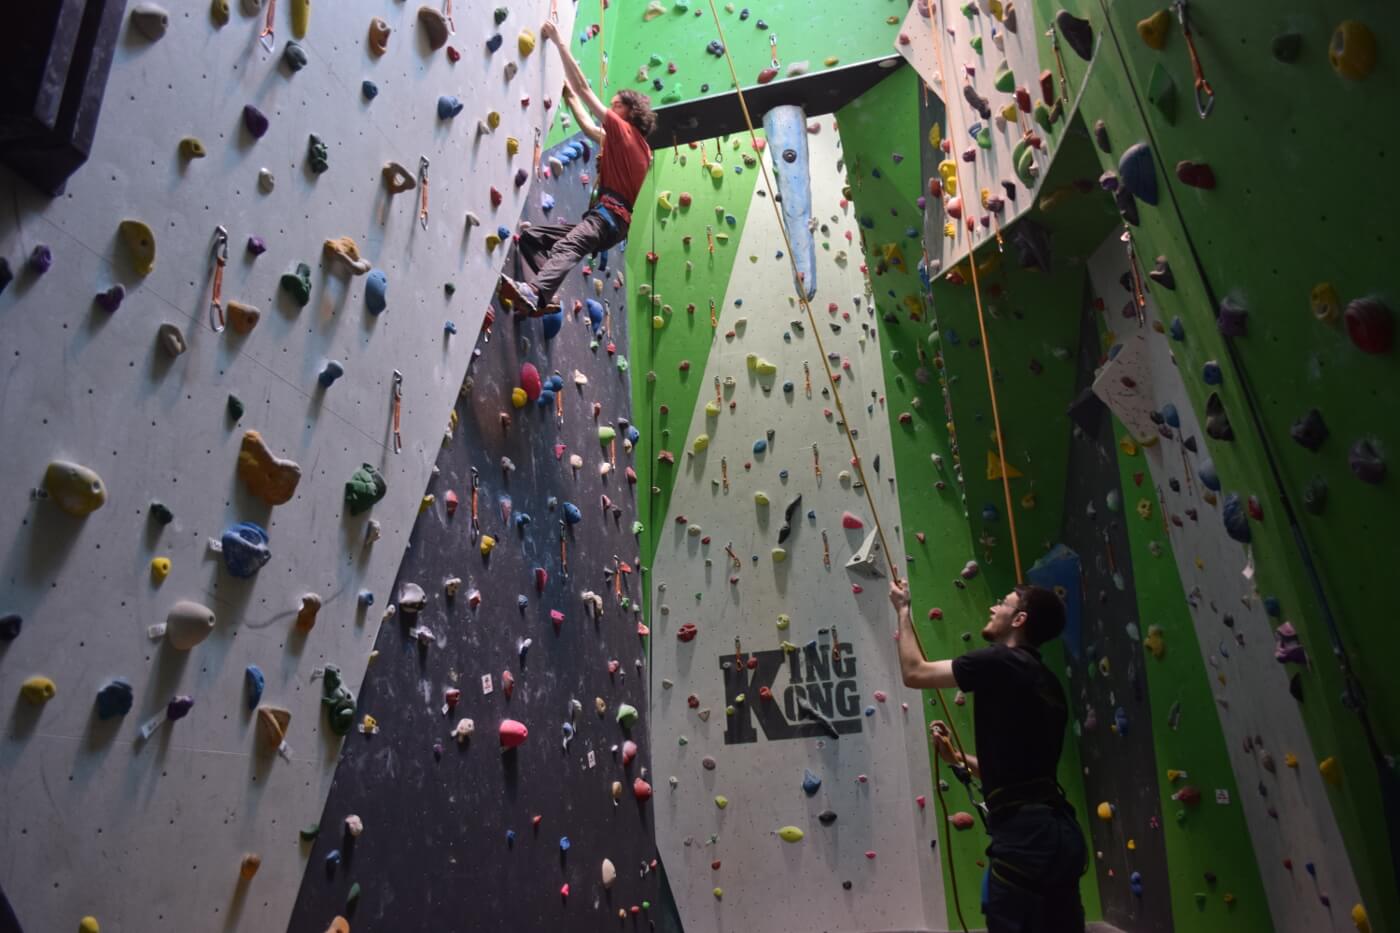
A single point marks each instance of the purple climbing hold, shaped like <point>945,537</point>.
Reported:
<point>178,707</point>
<point>256,245</point>
<point>111,299</point>
<point>494,43</point>
<point>1365,462</point>
<point>521,176</point>
<point>41,259</point>
<point>1108,181</point>
<point>1077,33</point>
<point>1101,136</point>
<point>1137,172</point>
<point>255,121</point>
<point>1127,205</point>
<point>1233,318</point>
<point>1310,430</point>
<point>1236,520</point>
<point>1288,647</point>
<point>1120,721</point>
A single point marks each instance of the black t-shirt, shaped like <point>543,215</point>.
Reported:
<point>1019,713</point>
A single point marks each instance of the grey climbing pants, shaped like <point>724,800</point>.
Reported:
<point>1034,863</point>
<point>550,251</point>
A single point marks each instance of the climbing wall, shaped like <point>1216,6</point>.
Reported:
<point>1286,812</point>
<point>516,633</point>
<point>748,628</point>
<point>149,832</point>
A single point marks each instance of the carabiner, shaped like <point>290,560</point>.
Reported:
<point>219,255</point>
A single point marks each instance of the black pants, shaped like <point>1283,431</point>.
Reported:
<point>1035,861</point>
<point>550,251</point>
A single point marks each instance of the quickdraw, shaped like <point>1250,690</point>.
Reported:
<point>423,185</point>
<point>398,409</point>
<point>1205,94</point>
<point>268,36</point>
<point>476,493</point>
<point>1139,295</point>
<point>216,299</point>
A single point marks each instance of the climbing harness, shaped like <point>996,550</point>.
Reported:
<point>268,36</point>
<point>1205,94</point>
<point>216,299</point>
<point>423,184</point>
<point>398,407</point>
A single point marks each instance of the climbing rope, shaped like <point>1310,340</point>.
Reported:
<point>841,410</point>
<point>602,47</point>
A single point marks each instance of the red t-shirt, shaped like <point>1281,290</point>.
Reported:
<point>624,160</point>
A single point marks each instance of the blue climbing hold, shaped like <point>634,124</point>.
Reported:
<point>952,337</point>
<point>990,513</point>
<point>332,371</point>
<point>503,232</point>
<point>633,435</point>
<point>555,382</point>
<point>522,519</point>
<point>332,858</point>
<point>522,601</point>
<point>1177,329</point>
<point>369,89</point>
<point>449,328</point>
<point>1273,607</point>
<point>875,173</point>
<point>1236,519</point>
<point>870,711</point>
<point>376,289</point>
<point>1120,720</point>
<point>1136,171</point>
<point>114,699</point>
<point>1209,478</point>
<point>759,446</point>
<point>494,43</point>
<point>1170,415</point>
<point>254,681</point>
<point>552,324</point>
<point>787,387</point>
<point>1135,883</point>
<point>810,782</point>
<point>448,107</point>
<point>546,202</point>
<point>812,515</point>
<point>245,549</point>
<point>510,833</point>
<point>546,398</point>
<point>595,313</point>
<point>564,843</point>
<point>365,598</point>
<point>1210,373</point>
<point>572,515</point>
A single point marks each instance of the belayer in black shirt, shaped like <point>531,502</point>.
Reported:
<point>1037,853</point>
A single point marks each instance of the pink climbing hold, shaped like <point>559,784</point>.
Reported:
<point>1195,174</point>
<point>450,499</point>
<point>641,790</point>
<point>557,618</point>
<point>870,853</point>
<point>962,820</point>
<point>530,381</point>
<point>857,588</point>
<point>851,521</point>
<point>921,800</point>
<point>629,752</point>
<point>513,734</point>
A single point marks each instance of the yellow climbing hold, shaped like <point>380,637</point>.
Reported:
<point>1352,50</point>
<point>1155,642</point>
<point>512,145</point>
<point>712,409</point>
<point>1144,509</point>
<point>74,488</point>
<point>191,148</point>
<point>700,443</point>
<point>518,398</point>
<point>1155,29</point>
<point>948,171</point>
<point>1331,770</point>
<point>1291,760</point>
<point>663,201</point>
<point>779,555</point>
<point>160,568</point>
<point>493,119</point>
<point>141,243</point>
<point>1128,446</point>
<point>492,241</point>
<point>765,368</point>
<point>935,135</point>
<point>716,170</point>
<point>657,322</point>
<point>996,467</point>
<point>790,834</point>
<point>1360,920</point>
<point>1326,304</point>
<point>526,43</point>
<point>760,498</point>
<point>301,17</point>
<point>783,622</point>
<point>89,924</point>
<point>38,690</point>
<point>831,61</point>
<point>721,801</point>
<point>1174,775</point>
<point>488,544</point>
<point>1105,811</point>
<point>426,503</point>
<point>719,894</point>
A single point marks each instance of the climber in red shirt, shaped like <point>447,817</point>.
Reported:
<point>550,251</point>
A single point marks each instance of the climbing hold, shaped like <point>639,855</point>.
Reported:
<point>364,488</point>
<point>255,121</point>
<point>271,479</point>
<point>192,148</point>
<point>219,12</point>
<point>1217,422</point>
<point>1195,174</point>
<point>376,287</point>
<point>338,700</point>
<point>1106,811</point>
<point>298,284</point>
<point>140,243</point>
<point>1286,47</point>
<point>10,626</point>
<point>151,20</point>
<point>294,56</point>
<point>317,155</point>
<point>115,699</point>
<point>1077,33</point>
<point>626,715</point>
<point>1137,173</point>
<point>790,834</point>
<point>1310,430</point>
<point>1366,462</point>
<point>369,89</point>
<point>254,682</point>
<point>1161,273</point>
<point>187,624</point>
<point>850,521</point>
<point>1155,29</point>
<point>379,36</point>
<point>1331,770</point>
<point>1236,520</point>
<point>1352,50</point>
<point>306,615</point>
<point>1161,92</point>
<point>75,489</point>
<point>962,821</point>
<point>243,317</point>
<point>448,106</point>
<point>272,725</point>
<point>245,548</point>
<point>1370,325</point>
<point>160,568</point>
<point>810,783</point>
<point>38,690</point>
<point>530,381</point>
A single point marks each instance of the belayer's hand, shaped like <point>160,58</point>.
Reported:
<point>899,594</point>
<point>549,30</point>
<point>938,735</point>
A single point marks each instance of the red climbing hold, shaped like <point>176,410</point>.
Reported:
<point>1370,325</point>
<point>541,578</point>
<point>687,632</point>
<point>641,790</point>
<point>450,500</point>
<point>692,701</point>
<point>530,381</point>
<point>513,733</point>
<point>765,693</point>
<point>851,521</point>
<point>857,588</point>
<point>652,257</point>
<point>507,683</point>
<point>1195,174</point>
<point>496,197</point>
<point>453,55</point>
<point>1256,511</point>
<point>962,820</point>
<point>935,614</point>
<point>766,75</point>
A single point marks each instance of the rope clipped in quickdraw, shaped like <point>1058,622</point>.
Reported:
<point>1059,68</point>
<point>398,408</point>
<point>1205,94</point>
<point>423,185</point>
<point>447,15</point>
<point>268,36</point>
<point>216,298</point>
<point>476,501</point>
<point>1139,295</point>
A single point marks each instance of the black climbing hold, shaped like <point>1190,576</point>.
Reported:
<point>789,155</point>
<point>1295,687</point>
<point>1287,47</point>
<point>160,512</point>
<point>1077,33</point>
<point>1101,136</point>
<point>235,407</point>
<point>1310,430</point>
<point>1127,205</point>
<point>7,275</point>
<point>977,102</point>
<point>1032,242</point>
<point>826,817</point>
<point>656,84</point>
<point>10,624</point>
<point>744,13</point>
<point>1009,187</point>
<point>846,885</point>
<point>1190,443</point>
<point>761,24</point>
<point>1217,422</point>
<point>1162,274</point>
<point>1232,513</point>
<point>705,89</point>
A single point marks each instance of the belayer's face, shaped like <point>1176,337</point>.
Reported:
<point>1000,618</point>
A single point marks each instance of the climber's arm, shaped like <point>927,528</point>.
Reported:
<point>913,668</point>
<point>573,74</point>
<point>585,123</point>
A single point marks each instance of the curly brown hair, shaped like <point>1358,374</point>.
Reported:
<point>639,112</point>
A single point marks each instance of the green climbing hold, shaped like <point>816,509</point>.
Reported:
<point>364,488</point>
<point>655,60</point>
<point>1005,80</point>
<point>235,407</point>
<point>626,715</point>
<point>790,834</point>
<point>606,434</point>
<point>353,896</point>
<point>672,96</point>
<point>1024,158</point>
<point>298,284</point>
<point>984,138</point>
<point>1042,116</point>
<point>1161,93</point>
<point>308,833</point>
<point>976,43</point>
<point>339,701</point>
<point>500,14</point>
